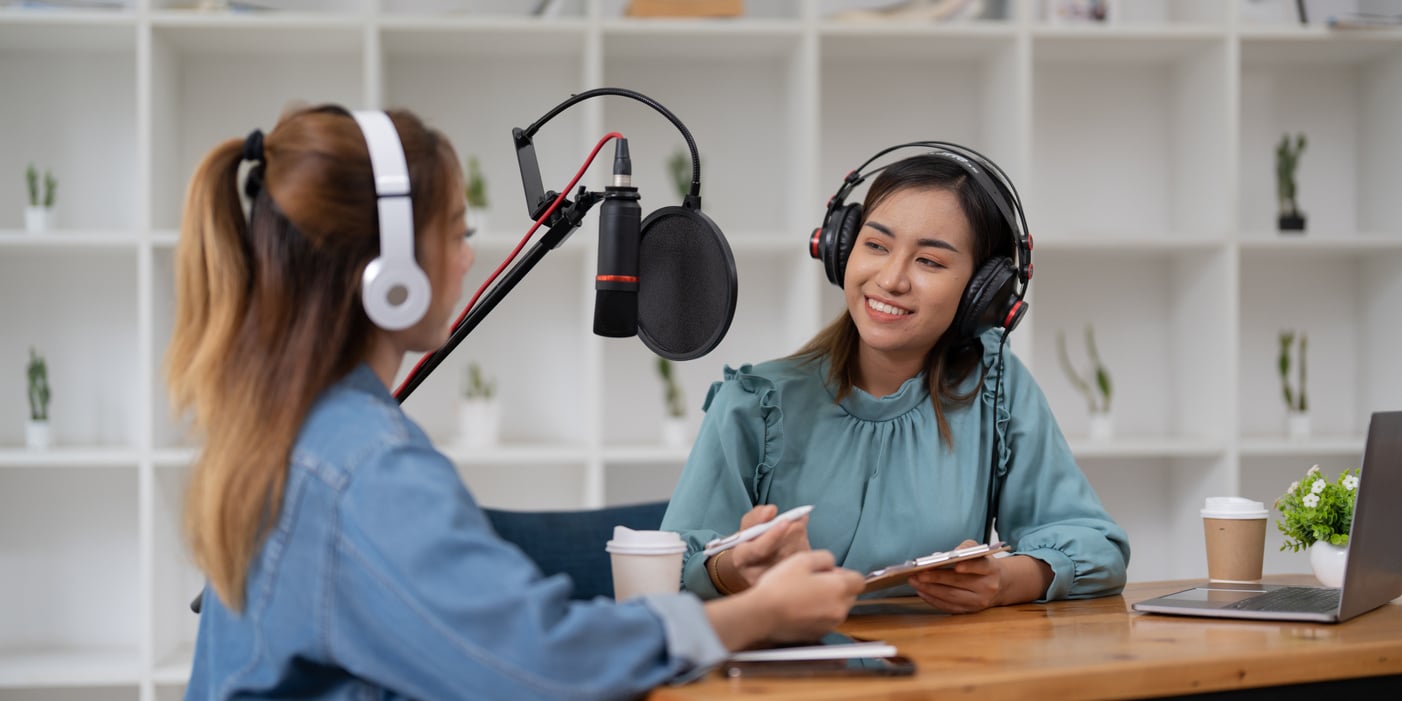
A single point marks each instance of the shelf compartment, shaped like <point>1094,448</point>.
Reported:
<point>51,79</point>
<point>271,10</point>
<point>527,486</point>
<point>630,482</point>
<point>81,672</point>
<point>1159,322</point>
<point>90,403</point>
<point>1139,100</point>
<point>68,31</point>
<point>878,91</point>
<point>549,304</point>
<point>1343,94</point>
<point>563,10</point>
<point>741,153</point>
<point>1347,305</point>
<point>633,402</point>
<point>73,535</point>
<point>175,578</point>
<point>1165,530</point>
<point>767,10</point>
<point>1154,15</point>
<point>481,105</point>
<point>216,81</point>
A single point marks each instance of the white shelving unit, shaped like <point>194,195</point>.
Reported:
<point>1143,149</point>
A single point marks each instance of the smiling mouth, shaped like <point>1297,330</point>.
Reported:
<point>886,308</point>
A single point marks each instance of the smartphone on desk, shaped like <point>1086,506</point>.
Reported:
<point>897,666</point>
<point>884,666</point>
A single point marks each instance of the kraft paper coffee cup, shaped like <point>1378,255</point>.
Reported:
<point>645,562</point>
<point>1235,533</point>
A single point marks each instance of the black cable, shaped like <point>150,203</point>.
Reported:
<point>993,493</point>
<point>693,199</point>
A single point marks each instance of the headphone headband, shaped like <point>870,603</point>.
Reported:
<point>978,167</point>
<point>395,290</point>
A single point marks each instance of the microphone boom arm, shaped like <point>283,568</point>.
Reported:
<point>564,222</point>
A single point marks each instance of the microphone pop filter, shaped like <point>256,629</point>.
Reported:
<point>686,283</point>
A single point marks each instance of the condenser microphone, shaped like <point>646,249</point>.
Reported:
<point>616,284</point>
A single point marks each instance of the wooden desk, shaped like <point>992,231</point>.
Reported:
<point>1089,649</point>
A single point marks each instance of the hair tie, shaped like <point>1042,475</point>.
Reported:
<point>253,146</point>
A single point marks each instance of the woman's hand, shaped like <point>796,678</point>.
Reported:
<point>797,600</point>
<point>743,567</point>
<point>984,582</point>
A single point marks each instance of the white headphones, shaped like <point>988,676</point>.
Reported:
<point>395,290</point>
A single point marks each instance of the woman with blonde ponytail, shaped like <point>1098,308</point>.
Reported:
<point>345,557</point>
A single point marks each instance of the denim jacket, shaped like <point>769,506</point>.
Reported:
<point>383,579</point>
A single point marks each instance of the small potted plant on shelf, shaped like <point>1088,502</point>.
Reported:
<point>674,433</point>
<point>1095,386</point>
<point>1287,162</point>
<point>477,202</point>
<point>36,429</point>
<point>679,167</point>
<point>38,214</point>
<point>478,419</point>
<point>1297,417</point>
<point>1316,514</point>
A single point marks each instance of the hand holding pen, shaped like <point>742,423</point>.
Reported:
<point>765,538</point>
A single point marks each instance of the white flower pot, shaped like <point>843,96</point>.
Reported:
<point>1102,426</point>
<point>1297,425</point>
<point>675,432</point>
<point>1328,562</point>
<point>478,423</point>
<point>37,219</point>
<point>36,434</point>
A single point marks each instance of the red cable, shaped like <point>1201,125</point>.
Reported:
<point>512,256</point>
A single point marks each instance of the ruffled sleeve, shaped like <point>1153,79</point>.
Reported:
<point>740,441</point>
<point>1047,508</point>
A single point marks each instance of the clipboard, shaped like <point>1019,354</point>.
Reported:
<point>895,575</point>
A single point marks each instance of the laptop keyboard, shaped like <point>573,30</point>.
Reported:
<point>1293,599</point>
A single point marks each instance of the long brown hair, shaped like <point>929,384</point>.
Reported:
<point>268,311</point>
<point>951,360</point>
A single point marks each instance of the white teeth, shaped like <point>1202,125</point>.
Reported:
<point>886,308</point>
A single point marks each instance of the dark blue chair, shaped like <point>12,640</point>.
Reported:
<point>572,542</point>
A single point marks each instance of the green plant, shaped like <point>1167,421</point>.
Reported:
<point>31,177</point>
<point>1315,509</point>
<point>38,372</point>
<point>1295,401</point>
<point>476,185</point>
<point>676,405</point>
<point>1287,160</point>
<point>475,386</point>
<point>1096,387</point>
<point>679,167</point>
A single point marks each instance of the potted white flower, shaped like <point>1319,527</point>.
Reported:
<point>1095,386</point>
<point>38,215</point>
<point>1316,515</point>
<point>478,418</point>
<point>674,428</point>
<point>36,429</point>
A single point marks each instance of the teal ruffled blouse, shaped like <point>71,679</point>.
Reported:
<point>884,487</point>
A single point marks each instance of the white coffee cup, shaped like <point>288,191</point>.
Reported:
<point>645,562</point>
<point>1234,529</point>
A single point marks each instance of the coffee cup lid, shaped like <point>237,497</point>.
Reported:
<point>1233,507</point>
<point>627,541</point>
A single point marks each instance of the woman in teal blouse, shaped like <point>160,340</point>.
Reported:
<point>892,421</point>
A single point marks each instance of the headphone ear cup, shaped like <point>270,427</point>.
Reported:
<point>395,296</point>
<point>842,235</point>
<point>986,299</point>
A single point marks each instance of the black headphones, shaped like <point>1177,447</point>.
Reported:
<point>994,295</point>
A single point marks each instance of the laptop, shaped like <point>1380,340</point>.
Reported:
<point>1372,575</point>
